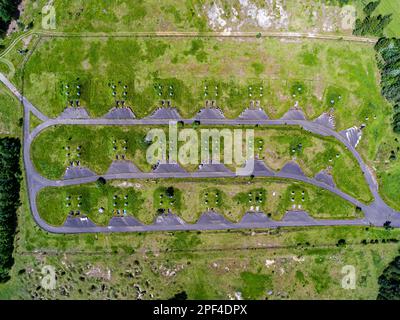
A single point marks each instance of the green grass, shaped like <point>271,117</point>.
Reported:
<point>10,114</point>
<point>229,261</point>
<point>146,86</point>
<point>34,121</point>
<point>387,163</point>
<point>119,15</point>
<point>326,70</point>
<point>143,200</point>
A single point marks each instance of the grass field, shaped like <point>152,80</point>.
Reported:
<point>283,263</point>
<point>190,198</point>
<point>97,147</point>
<point>324,71</point>
<point>34,121</point>
<point>312,273</point>
<point>390,186</point>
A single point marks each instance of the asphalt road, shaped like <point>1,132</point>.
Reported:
<point>376,213</point>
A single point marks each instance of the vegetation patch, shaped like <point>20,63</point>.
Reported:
<point>8,11</point>
<point>254,285</point>
<point>389,281</point>
<point>274,145</point>
<point>10,177</point>
<point>146,199</point>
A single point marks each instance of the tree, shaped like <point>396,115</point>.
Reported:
<point>388,56</point>
<point>181,296</point>
<point>101,182</point>
<point>10,177</point>
<point>170,192</point>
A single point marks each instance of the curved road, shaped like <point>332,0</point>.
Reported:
<point>377,213</point>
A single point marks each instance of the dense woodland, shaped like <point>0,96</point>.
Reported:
<point>8,11</point>
<point>388,55</point>
<point>371,25</point>
<point>10,176</point>
<point>389,281</point>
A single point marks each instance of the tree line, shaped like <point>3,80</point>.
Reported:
<point>10,178</point>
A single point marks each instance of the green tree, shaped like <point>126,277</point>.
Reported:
<point>10,177</point>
